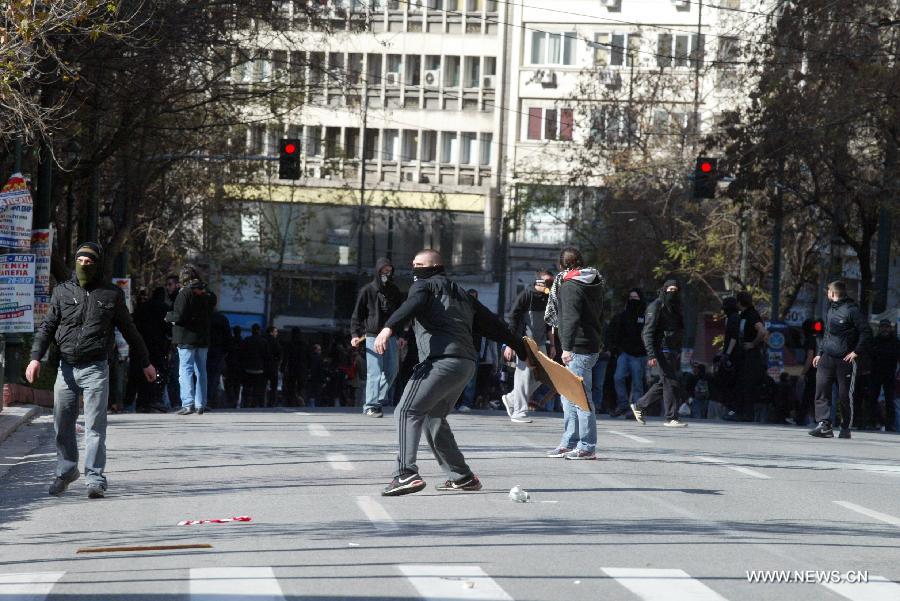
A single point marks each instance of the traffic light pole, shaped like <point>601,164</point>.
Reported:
<point>777,243</point>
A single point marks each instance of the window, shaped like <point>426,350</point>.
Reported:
<point>390,139</point>
<point>313,141</point>
<point>413,69</point>
<point>729,51</point>
<point>473,71</point>
<point>469,148</point>
<point>351,146</point>
<point>553,48</point>
<point>370,144</point>
<point>249,224</point>
<point>451,72</point>
<point>257,139</point>
<point>487,140</point>
<point>276,132</point>
<point>373,70</point>
<point>429,146</point>
<point>410,146</point>
<point>279,65</point>
<point>298,68</point>
<point>687,49</point>
<point>550,124</point>
<point>449,147</point>
<point>262,69</point>
<point>612,125</point>
<point>354,68</point>
<point>620,49</point>
<point>664,50</point>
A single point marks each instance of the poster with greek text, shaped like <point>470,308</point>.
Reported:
<point>41,246</point>
<point>17,293</point>
<point>15,214</point>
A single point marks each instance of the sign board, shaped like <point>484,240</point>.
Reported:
<point>41,246</point>
<point>775,352</point>
<point>15,213</point>
<point>17,293</point>
<point>556,376</point>
<point>242,294</point>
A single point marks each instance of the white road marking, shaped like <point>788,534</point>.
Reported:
<point>318,430</point>
<point>877,588</point>
<point>28,586</point>
<point>737,468</point>
<point>631,437</point>
<point>377,514</point>
<point>663,585</point>
<point>883,517</point>
<point>340,462</point>
<point>446,582</point>
<point>221,584</point>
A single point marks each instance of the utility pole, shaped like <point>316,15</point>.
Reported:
<point>697,57</point>
<point>362,189</point>
<point>777,243</point>
<point>745,243</point>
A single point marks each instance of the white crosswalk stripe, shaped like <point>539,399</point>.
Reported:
<point>876,589</point>
<point>318,430</point>
<point>340,462</point>
<point>227,584</point>
<point>737,468</point>
<point>447,582</point>
<point>377,514</point>
<point>33,586</point>
<point>882,517</point>
<point>663,585</point>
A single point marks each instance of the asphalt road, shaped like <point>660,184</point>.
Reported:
<point>664,514</point>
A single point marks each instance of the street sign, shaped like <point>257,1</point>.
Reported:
<point>775,354</point>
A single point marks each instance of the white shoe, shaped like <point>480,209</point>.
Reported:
<point>638,415</point>
<point>521,420</point>
<point>674,423</point>
<point>508,405</point>
<point>464,409</point>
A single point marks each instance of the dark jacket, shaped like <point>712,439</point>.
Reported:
<point>846,329</point>
<point>150,320</point>
<point>375,302</point>
<point>732,332</point>
<point>625,331</point>
<point>254,354</point>
<point>220,335</point>
<point>274,354</point>
<point>192,315</point>
<point>526,317</point>
<point>82,323</point>
<point>446,317</point>
<point>663,327</point>
<point>885,354</point>
<point>581,311</point>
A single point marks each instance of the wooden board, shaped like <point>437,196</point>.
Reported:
<point>556,376</point>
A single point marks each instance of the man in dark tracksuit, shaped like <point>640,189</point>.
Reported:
<point>625,337</point>
<point>375,303</point>
<point>445,316</point>
<point>663,332</point>
<point>83,315</point>
<point>847,334</point>
<point>885,355</point>
<point>752,366</point>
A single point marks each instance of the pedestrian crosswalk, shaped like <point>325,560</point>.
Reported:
<point>442,582</point>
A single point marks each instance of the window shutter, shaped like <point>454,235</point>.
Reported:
<point>601,49</point>
<point>534,123</point>
<point>550,124</point>
<point>664,50</point>
<point>566,121</point>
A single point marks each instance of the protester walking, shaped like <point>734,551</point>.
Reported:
<point>81,319</point>
<point>234,372</point>
<point>575,309</point>
<point>219,344</point>
<point>293,366</point>
<point>885,356</point>
<point>625,339</point>
<point>150,321</point>
<point>272,367</point>
<point>847,335</point>
<point>191,317</point>
<point>663,334</point>
<point>255,359</point>
<point>751,369</point>
<point>375,303</point>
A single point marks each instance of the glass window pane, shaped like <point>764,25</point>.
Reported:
<point>550,124</point>
<point>538,47</point>
<point>534,123</point>
<point>553,50</point>
<point>617,51</point>
<point>681,50</point>
<point>569,48</point>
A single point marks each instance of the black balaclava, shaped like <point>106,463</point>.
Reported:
<point>671,299</point>
<point>87,274</point>
<point>383,280</point>
<point>633,305</point>
<point>423,273</point>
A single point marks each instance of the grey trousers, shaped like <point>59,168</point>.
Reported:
<point>91,380</point>
<point>428,398</point>
<point>524,385</point>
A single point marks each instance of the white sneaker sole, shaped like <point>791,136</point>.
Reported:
<point>675,425</point>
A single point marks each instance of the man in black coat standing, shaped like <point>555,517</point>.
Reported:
<point>625,338</point>
<point>847,335</point>
<point>885,355</point>
<point>663,335</point>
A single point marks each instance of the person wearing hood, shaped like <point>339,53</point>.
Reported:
<point>575,310</point>
<point>625,337</point>
<point>444,318</point>
<point>375,303</point>
<point>663,334</point>
<point>83,315</point>
<point>885,355</point>
<point>751,367</point>
<point>847,335</point>
<point>191,319</point>
<point>526,318</point>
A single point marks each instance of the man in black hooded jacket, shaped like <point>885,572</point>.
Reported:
<point>625,337</point>
<point>663,334</point>
<point>375,303</point>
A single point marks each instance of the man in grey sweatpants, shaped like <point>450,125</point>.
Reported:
<point>445,316</point>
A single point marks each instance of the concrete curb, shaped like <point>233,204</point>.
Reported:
<point>13,417</point>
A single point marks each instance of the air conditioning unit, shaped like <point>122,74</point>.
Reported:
<point>610,3</point>
<point>548,79</point>
<point>682,3</point>
<point>315,171</point>
<point>610,78</point>
<point>433,78</point>
<point>392,78</point>
<point>489,81</point>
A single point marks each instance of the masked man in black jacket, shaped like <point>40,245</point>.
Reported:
<point>445,316</point>
<point>83,315</point>
<point>625,337</point>
<point>847,335</point>
<point>885,356</point>
<point>663,334</point>
<point>376,302</point>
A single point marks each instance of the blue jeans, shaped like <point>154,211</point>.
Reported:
<point>629,365</point>
<point>381,370</point>
<point>91,381</point>
<point>580,425</point>
<point>598,379</point>
<point>191,365</point>
<point>468,395</point>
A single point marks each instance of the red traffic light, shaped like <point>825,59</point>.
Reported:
<point>818,326</point>
<point>290,149</point>
<point>705,167</point>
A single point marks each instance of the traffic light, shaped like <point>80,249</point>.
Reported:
<point>818,326</point>
<point>706,177</point>
<point>289,159</point>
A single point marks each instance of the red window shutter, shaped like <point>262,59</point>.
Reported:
<point>566,120</point>
<point>534,123</point>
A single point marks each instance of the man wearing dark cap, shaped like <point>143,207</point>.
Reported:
<point>83,315</point>
<point>445,316</point>
<point>663,334</point>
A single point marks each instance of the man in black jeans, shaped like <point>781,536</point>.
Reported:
<point>663,334</point>
<point>752,368</point>
<point>847,334</point>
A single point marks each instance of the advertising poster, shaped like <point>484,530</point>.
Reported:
<point>17,293</point>
<point>776,343</point>
<point>15,213</point>
<point>41,246</point>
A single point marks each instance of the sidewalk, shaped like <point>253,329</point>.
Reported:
<point>14,416</point>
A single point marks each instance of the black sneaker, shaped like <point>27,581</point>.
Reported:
<point>95,491</point>
<point>185,411</point>
<point>403,485</point>
<point>374,412</point>
<point>60,485</point>
<point>823,430</point>
<point>201,410</point>
<point>470,483</point>
<point>845,433</point>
